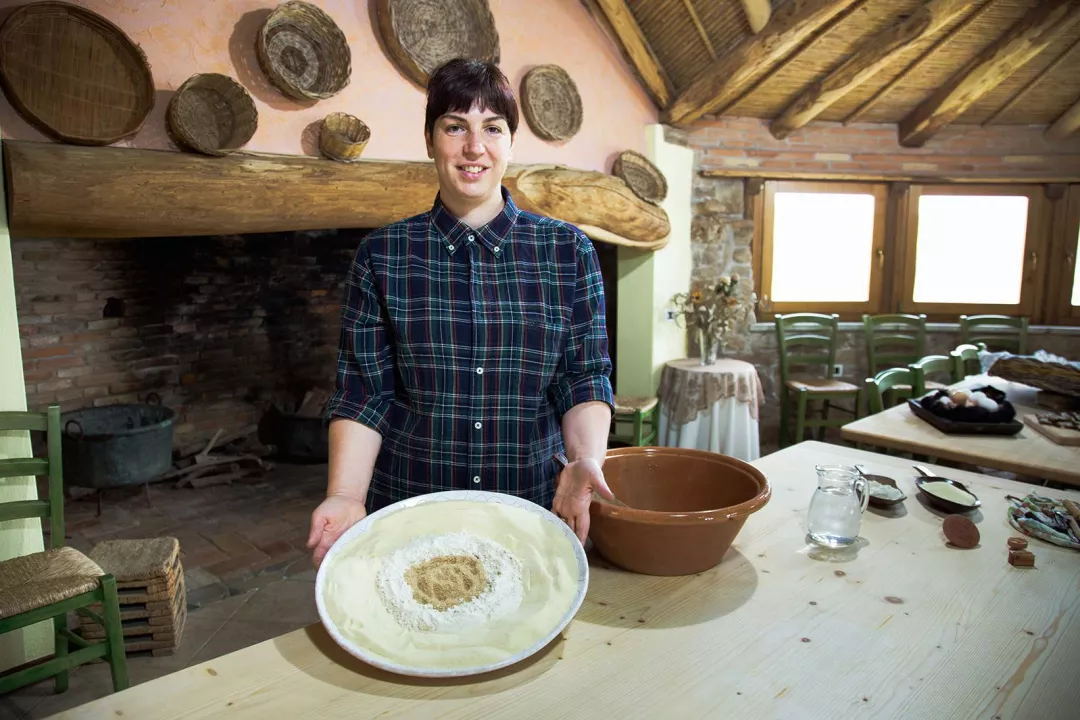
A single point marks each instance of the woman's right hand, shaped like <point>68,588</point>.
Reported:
<point>335,515</point>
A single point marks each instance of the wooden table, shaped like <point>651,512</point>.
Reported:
<point>1029,452</point>
<point>902,626</point>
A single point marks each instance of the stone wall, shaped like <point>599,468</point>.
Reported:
<point>216,326</point>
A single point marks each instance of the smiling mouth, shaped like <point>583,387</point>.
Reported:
<point>472,169</point>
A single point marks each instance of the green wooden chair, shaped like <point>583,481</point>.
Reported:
<point>966,360</point>
<point>809,340</point>
<point>636,421</point>
<point>893,340</point>
<point>997,332</point>
<point>47,585</point>
<point>891,386</point>
<point>936,364</point>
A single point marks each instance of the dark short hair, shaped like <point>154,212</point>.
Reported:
<point>460,83</point>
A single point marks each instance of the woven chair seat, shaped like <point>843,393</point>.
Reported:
<point>43,578</point>
<point>822,385</point>
<point>627,405</point>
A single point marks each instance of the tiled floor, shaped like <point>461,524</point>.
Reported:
<point>233,538</point>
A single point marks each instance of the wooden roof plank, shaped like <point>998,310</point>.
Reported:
<point>1023,41</point>
<point>689,5</point>
<point>1032,83</point>
<point>737,71</point>
<point>637,49</point>
<point>938,45</point>
<point>1065,125</point>
<point>874,55</point>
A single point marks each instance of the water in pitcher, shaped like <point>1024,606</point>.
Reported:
<point>836,509</point>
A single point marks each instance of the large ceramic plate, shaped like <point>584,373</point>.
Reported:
<point>367,523</point>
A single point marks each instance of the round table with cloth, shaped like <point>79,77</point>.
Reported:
<point>711,407</point>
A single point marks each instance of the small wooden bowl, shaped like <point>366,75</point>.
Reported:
<point>885,502</point>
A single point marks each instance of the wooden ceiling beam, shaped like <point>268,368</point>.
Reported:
<point>877,53</point>
<point>758,13</point>
<point>930,51</point>
<point>637,50</point>
<point>689,5</point>
<point>1065,125</point>
<point>1034,81</point>
<point>731,75</point>
<point>1029,36</point>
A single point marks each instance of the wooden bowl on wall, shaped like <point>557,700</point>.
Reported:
<point>685,508</point>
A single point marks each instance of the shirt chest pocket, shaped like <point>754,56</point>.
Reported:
<point>537,343</point>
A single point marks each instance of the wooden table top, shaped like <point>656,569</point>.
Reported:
<point>900,626</point>
<point>1029,452</point>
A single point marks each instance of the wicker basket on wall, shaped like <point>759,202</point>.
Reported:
<point>303,52</point>
<point>645,179</point>
<point>551,103</point>
<point>211,114</point>
<point>343,137</point>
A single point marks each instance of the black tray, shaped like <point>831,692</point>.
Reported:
<point>951,427</point>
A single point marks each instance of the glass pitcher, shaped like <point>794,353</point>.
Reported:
<point>837,506</point>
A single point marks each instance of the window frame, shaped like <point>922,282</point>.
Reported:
<point>1031,287</point>
<point>1064,241</point>
<point>876,301</point>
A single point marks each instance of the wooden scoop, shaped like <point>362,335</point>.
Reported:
<point>563,462</point>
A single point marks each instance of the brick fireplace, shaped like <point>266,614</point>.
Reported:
<point>217,326</point>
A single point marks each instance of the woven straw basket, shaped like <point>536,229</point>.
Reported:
<point>212,114</point>
<point>303,52</point>
<point>343,137</point>
<point>644,178</point>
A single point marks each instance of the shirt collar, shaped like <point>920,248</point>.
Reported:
<point>493,235</point>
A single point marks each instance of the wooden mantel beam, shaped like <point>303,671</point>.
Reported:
<point>1066,125</point>
<point>69,191</point>
<point>875,54</point>
<point>737,71</point>
<point>637,50</point>
<point>1028,37</point>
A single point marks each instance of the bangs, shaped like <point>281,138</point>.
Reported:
<point>460,84</point>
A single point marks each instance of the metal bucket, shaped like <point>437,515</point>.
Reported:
<point>117,445</point>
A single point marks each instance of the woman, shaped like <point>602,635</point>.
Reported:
<point>473,344</point>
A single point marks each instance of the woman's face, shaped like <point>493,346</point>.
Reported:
<point>471,151</point>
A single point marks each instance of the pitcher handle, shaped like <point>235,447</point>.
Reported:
<point>864,492</point>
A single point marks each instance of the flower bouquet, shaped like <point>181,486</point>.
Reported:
<point>713,312</point>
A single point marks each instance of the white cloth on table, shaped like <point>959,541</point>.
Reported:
<point>711,407</point>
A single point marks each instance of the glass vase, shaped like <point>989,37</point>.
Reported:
<point>707,347</point>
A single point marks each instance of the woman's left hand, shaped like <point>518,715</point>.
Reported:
<point>574,493</point>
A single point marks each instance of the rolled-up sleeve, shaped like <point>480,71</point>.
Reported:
<point>365,375</point>
<point>584,372</point>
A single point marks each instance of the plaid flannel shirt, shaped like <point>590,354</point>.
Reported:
<point>464,347</point>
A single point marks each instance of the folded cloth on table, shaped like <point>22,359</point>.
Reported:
<point>1046,518</point>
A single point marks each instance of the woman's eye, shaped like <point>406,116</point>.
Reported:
<point>494,130</point>
<point>454,128</point>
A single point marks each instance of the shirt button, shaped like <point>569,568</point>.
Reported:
<point>479,371</point>
<point>478,425</point>
<point>495,249</point>
<point>476,479</point>
<point>471,238</point>
<point>450,248</point>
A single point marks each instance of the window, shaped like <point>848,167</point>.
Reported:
<point>940,249</point>
<point>822,247</point>
<point>970,249</point>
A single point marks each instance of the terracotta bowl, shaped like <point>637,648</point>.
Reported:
<point>685,508</point>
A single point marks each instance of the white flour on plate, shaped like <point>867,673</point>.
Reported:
<point>502,595</point>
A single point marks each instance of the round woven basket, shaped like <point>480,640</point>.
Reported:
<point>421,35</point>
<point>74,75</point>
<point>343,137</point>
<point>551,103</point>
<point>303,52</point>
<point>645,179</point>
<point>212,114</point>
